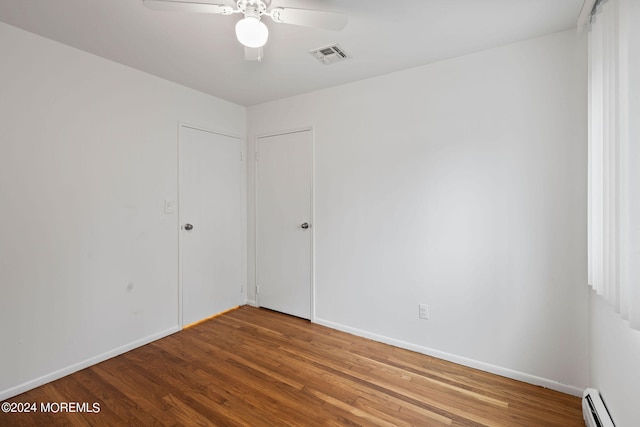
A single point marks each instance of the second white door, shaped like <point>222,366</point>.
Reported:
<point>284,222</point>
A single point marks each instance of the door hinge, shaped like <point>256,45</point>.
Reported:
<point>241,156</point>
<point>257,156</point>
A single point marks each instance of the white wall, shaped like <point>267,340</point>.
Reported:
<point>615,348</point>
<point>88,154</point>
<point>461,185</point>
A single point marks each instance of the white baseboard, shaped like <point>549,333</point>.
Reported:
<point>21,388</point>
<point>460,360</point>
<point>252,303</point>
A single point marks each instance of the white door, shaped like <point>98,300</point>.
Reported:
<point>284,223</point>
<point>210,212</point>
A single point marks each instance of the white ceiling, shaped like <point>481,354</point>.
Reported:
<point>200,50</point>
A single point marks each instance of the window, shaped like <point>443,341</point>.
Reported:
<point>614,178</point>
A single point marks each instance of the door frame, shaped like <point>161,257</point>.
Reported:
<point>312,281</point>
<point>243,209</point>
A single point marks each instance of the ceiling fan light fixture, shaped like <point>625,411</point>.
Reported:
<point>252,32</point>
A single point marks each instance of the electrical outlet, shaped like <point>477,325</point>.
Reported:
<point>424,311</point>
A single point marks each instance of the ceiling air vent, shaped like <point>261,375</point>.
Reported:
<point>330,54</point>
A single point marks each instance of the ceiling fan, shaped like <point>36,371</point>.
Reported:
<point>250,30</point>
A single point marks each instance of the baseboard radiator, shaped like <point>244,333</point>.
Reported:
<point>594,410</point>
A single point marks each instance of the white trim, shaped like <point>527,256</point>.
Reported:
<point>312,312</point>
<point>179,228</point>
<point>460,360</point>
<point>211,130</point>
<point>178,136</point>
<point>255,221</point>
<point>284,132</point>
<point>29,385</point>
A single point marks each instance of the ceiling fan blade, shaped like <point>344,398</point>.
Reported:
<point>253,54</point>
<point>187,6</point>
<point>309,18</point>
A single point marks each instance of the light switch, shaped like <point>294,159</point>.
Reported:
<point>169,206</point>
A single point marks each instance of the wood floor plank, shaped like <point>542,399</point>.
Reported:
<point>255,367</point>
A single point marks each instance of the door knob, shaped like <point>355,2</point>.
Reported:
<point>188,227</point>
<point>304,225</point>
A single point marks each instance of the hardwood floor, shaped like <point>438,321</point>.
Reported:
<point>255,367</point>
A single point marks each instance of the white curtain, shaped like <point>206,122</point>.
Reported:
<point>614,185</point>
